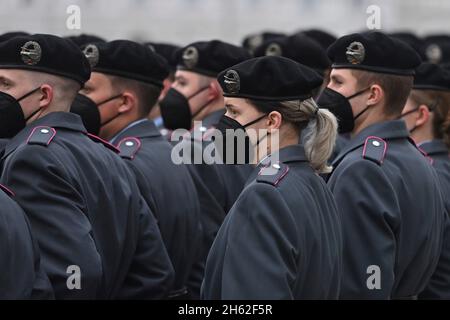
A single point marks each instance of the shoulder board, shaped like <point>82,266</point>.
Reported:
<point>100,140</point>
<point>375,149</point>
<point>273,174</point>
<point>129,147</point>
<point>41,135</point>
<point>7,191</point>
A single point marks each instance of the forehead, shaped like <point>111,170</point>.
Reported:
<point>98,78</point>
<point>15,75</point>
<point>188,75</point>
<point>236,102</point>
<point>342,73</point>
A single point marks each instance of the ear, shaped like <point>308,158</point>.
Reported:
<point>214,90</point>
<point>274,120</point>
<point>423,114</point>
<point>127,102</point>
<point>46,96</point>
<point>376,95</point>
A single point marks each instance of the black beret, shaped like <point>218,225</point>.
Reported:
<point>375,52</point>
<point>431,76</point>
<point>251,42</point>
<point>414,41</point>
<point>210,57</point>
<point>299,48</point>
<point>325,39</point>
<point>127,59</point>
<point>165,50</point>
<point>437,48</point>
<point>12,34</point>
<point>269,78</point>
<point>83,39</point>
<point>45,53</point>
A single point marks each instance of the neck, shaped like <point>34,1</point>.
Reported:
<point>210,108</point>
<point>274,147</point>
<point>373,117</point>
<point>423,133</point>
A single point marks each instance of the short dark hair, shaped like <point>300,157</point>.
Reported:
<point>146,93</point>
<point>396,88</point>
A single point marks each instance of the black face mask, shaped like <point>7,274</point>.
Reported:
<point>88,111</point>
<point>431,109</point>
<point>175,109</point>
<point>104,123</point>
<point>229,129</point>
<point>12,119</point>
<point>340,106</point>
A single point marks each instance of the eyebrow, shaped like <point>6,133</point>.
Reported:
<point>230,106</point>
<point>180,78</point>
<point>336,78</point>
<point>3,78</point>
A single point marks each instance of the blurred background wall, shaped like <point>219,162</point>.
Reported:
<point>184,21</point>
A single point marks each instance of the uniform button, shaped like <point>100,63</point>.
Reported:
<point>45,131</point>
<point>276,166</point>
<point>202,129</point>
<point>376,143</point>
<point>129,143</point>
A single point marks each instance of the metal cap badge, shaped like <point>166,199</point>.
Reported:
<point>274,49</point>
<point>31,53</point>
<point>92,54</point>
<point>355,52</point>
<point>434,53</point>
<point>232,81</point>
<point>190,57</point>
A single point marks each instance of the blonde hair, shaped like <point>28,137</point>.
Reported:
<point>320,131</point>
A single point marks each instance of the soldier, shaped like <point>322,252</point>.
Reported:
<point>386,190</point>
<point>97,236</point>
<point>196,95</point>
<point>21,272</point>
<point>168,51</point>
<point>426,114</point>
<point>129,76</point>
<point>282,237</point>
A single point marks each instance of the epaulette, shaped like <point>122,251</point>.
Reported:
<point>375,149</point>
<point>128,147</point>
<point>41,135</point>
<point>7,191</point>
<point>273,174</point>
<point>100,140</point>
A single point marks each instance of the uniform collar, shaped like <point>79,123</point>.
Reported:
<point>213,118</point>
<point>57,120</point>
<point>292,153</point>
<point>436,146</point>
<point>393,129</point>
<point>142,128</point>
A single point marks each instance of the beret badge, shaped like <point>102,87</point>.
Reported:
<point>92,54</point>
<point>190,57</point>
<point>434,53</point>
<point>274,49</point>
<point>232,81</point>
<point>355,52</point>
<point>31,53</point>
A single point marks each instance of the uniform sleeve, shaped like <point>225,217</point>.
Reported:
<point>151,274</point>
<point>55,210</point>
<point>260,260</point>
<point>370,214</point>
<point>20,268</point>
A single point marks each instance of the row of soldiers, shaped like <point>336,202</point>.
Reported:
<point>352,203</point>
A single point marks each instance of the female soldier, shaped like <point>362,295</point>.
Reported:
<point>428,120</point>
<point>282,238</point>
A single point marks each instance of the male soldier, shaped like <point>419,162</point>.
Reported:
<point>129,76</point>
<point>391,207</point>
<point>426,114</point>
<point>21,272</point>
<point>196,95</point>
<point>98,238</point>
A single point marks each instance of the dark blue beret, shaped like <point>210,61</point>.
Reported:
<point>269,78</point>
<point>210,57</point>
<point>437,48</point>
<point>127,59</point>
<point>251,42</point>
<point>375,52</point>
<point>430,76</point>
<point>414,41</point>
<point>299,48</point>
<point>45,53</point>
